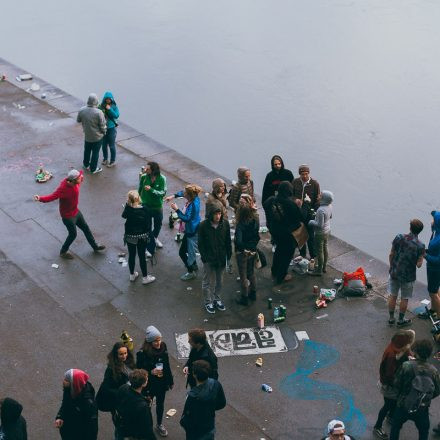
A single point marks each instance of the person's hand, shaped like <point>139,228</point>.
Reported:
<point>168,198</point>
<point>185,371</point>
<point>59,423</point>
<point>107,107</point>
<point>147,187</point>
<point>36,198</point>
<point>298,202</point>
<point>155,372</point>
<point>174,206</point>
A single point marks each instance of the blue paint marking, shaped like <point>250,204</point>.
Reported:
<point>299,386</point>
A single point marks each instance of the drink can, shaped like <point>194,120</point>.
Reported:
<point>266,388</point>
<point>260,320</point>
<point>283,311</point>
<point>276,313</point>
<point>316,289</point>
<point>269,303</point>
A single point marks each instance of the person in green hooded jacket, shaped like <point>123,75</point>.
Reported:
<point>111,113</point>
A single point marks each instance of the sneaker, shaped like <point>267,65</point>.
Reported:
<point>162,430</point>
<point>380,433</point>
<point>243,301</point>
<point>86,168</point>
<point>98,170</point>
<point>219,305</point>
<point>391,321</point>
<point>134,276</point>
<point>99,247</point>
<point>66,255</point>
<point>188,276</point>
<point>104,162</point>
<point>159,243</point>
<point>148,255</point>
<point>148,279</point>
<point>210,307</point>
<point>111,164</point>
<point>404,322</point>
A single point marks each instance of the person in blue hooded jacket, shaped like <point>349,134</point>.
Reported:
<point>432,258</point>
<point>111,113</point>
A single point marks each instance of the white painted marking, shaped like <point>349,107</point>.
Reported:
<point>426,302</point>
<point>302,335</point>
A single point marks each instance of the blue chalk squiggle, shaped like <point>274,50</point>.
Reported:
<point>299,386</point>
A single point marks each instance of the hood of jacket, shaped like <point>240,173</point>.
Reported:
<point>204,392</point>
<point>10,411</point>
<point>436,225</point>
<point>326,198</point>
<point>92,100</point>
<point>272,161</point>
<point>108,95</point>
<point>285,190</point>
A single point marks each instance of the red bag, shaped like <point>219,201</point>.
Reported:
<point>354,283</point>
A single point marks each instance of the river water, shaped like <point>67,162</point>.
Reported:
<point>351,87</point>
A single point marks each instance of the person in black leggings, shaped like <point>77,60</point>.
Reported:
<point>137,234</point>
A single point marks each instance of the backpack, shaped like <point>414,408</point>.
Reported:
<point>421,391</point>
<point>354,283</point>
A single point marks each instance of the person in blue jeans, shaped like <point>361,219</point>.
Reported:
<point>111,113</point>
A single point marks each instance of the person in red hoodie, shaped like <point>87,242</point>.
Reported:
<point>396,353</point>
<point>68,194</point>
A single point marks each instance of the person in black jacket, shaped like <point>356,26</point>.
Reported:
<point>153,357</point>
<point>77,417</point>
<point>275,177</point>
<point>12,423</point>
<point>120,365</point>
<point>137,233</point>
<point>285,217</point>
<point>207,397</point>
<point>246,240</point>
<point>200,350</point>
<point>134,408</point>
<point>215,248</point>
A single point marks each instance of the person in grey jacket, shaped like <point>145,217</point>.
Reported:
<point>321,225</point>
<point>94,127</point>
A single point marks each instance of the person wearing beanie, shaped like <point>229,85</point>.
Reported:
<point>153,357</point>
<point>68,195</point>
<point>306,195</point>
<point>12,423</point>
<point>77,417</point>
<point>244,186</point>
<point>396,353</point>
<point>336,431</point>
<point>110,110</point>
<point>95,127</point>
<point>321,225</point>
<point>273,179</point>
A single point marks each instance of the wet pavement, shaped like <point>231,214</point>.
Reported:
<point>69,317</point>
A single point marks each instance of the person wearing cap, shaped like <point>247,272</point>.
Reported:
<point>68,195</point>
<point>306,193</point>
<point>244,186</point>
<point>396,353</point>
<point>153,357</point>
<point>406,256</point>
<point>336,431</point>
<point>95,127</point>
<point>77,417</point>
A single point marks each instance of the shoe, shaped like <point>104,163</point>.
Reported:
<point>104,162</point>
<point>148,255</point>
<point>252,295</point>
<point>162,430</point>
<point>66,255</point>
<point>188,276</point>
<point>86,168</point>
<point>219,305</point>
<point>98,170</point>
<point>111,164</point>
<point>404,322</point>
<point>391,321</point>
<point>243,301</point>
<point>134,276</point>
<point>148,279</point>
<point>159,243</point>
<point>99,247</point>
<point>380,433</point>
<point>210,307</point>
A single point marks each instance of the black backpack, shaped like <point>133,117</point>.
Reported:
<point>421,391</point>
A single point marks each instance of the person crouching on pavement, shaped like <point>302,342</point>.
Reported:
<point>190,216</point>
<point>68,195</point>
<point>137,233</point>
<point>336,431</point>
<point>321,225</point>
<point>214,242</point>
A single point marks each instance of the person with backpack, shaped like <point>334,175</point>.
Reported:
<point>417,383</point>
<point>111,113</point>
<point>244,186</point>
<point>12,423</point>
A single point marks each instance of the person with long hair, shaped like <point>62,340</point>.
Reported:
<point>111,113</point>
<point>153,357</point>
<point>120,365</point>
<point>137,233</point>
<point>246,240</point>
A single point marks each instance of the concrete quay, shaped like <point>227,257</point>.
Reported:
<point>69,317</point>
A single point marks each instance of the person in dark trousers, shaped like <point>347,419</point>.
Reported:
<point>245,185</point>
<point>200,350</point>
<point>68,195</point>
<point>306,193</point>
<point>396,353</point>
<point>215,249</point>
<point>135,421</point>
<point>275,177</point>
<point>12,423</point>
<point>111,113</point>
<point>153,357</point>
<point>207,397</point>
<point>120,365</point>
<point>94,127</point>
<point>404,383</point>
<point>336,431</point>
<point>137,233</point>
<point>405,257</point>
<point>284,218</point>
<point>77,417</point>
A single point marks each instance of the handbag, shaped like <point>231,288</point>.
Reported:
<point>301,235</point>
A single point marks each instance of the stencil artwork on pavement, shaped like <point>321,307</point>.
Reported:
<point>236,342</point>
<point>300,386</point>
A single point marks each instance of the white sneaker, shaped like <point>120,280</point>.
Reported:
<point>158,243</point>
<point>148,254</point>
<point>148,279</point>
<point>134,276</point>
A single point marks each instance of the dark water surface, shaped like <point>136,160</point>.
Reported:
<point>350,87</point>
